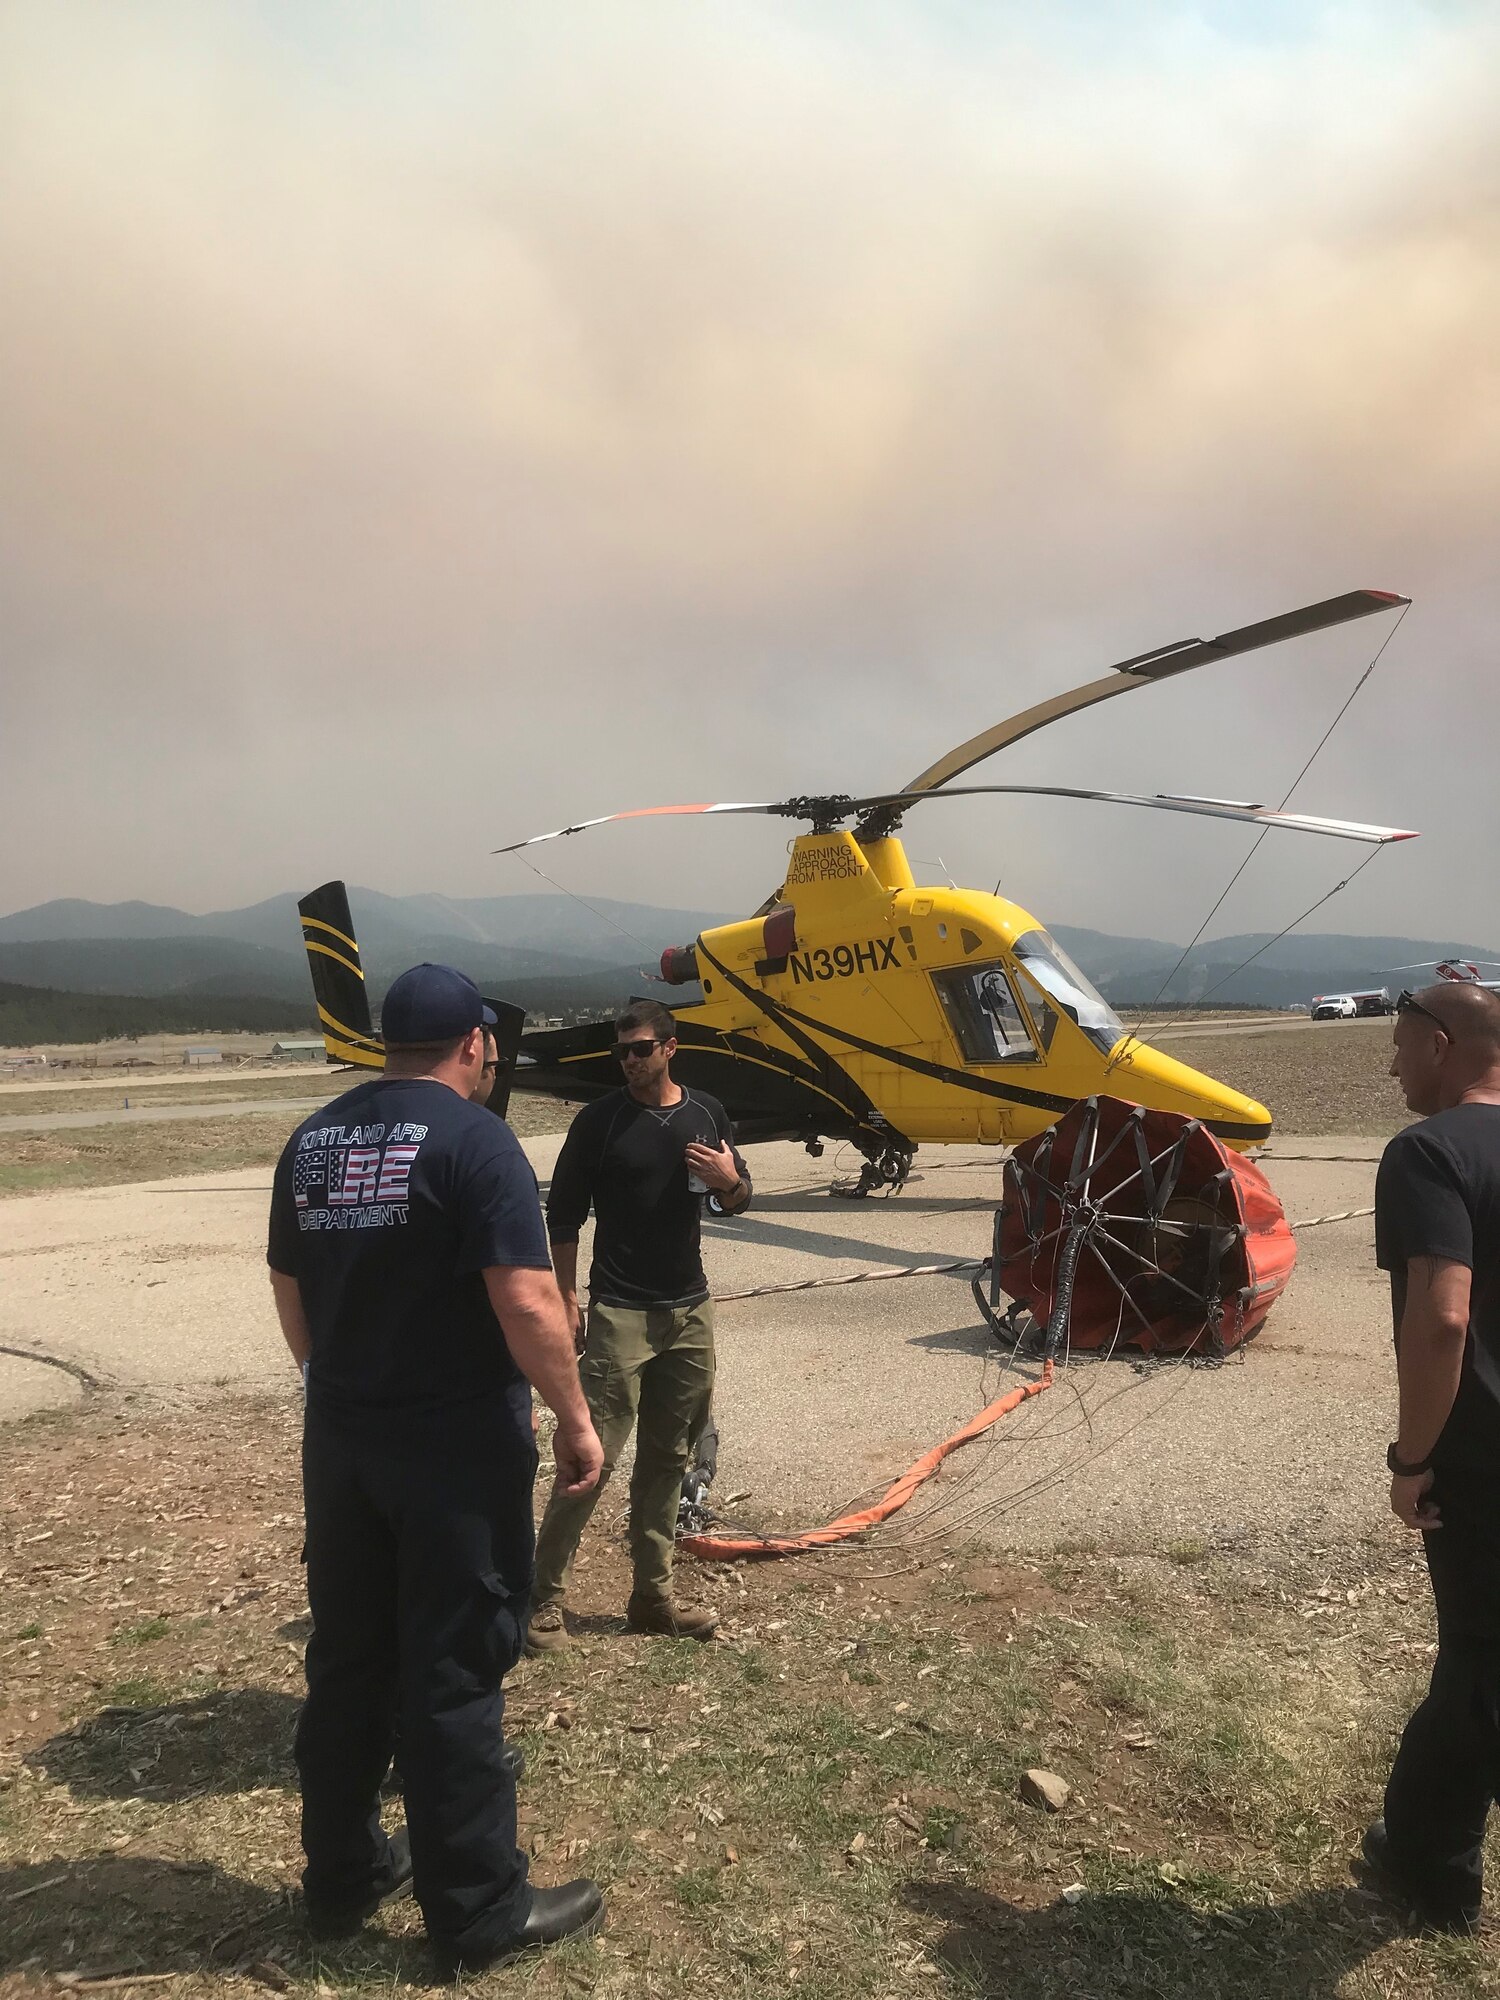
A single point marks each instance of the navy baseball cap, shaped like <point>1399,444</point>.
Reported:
<point>432,1003</point>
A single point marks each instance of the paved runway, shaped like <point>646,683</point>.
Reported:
<point>159,1290</point>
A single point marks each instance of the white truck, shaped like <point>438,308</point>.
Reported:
<point>1347,1006</point>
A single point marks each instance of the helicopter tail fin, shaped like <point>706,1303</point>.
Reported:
<point>338,978</point>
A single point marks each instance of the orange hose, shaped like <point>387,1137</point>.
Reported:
<point>719,1548</point>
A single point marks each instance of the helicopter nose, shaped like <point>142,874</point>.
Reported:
<point>1145,1075</point>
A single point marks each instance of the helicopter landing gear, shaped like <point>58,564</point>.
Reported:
<point>887,1169</point>
<point>694,1516</point>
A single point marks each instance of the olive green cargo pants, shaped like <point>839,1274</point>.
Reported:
<point>650,1370</point>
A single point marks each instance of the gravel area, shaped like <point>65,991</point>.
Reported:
<point>1316,1076</point>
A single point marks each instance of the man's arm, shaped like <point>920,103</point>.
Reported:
<point>1431,1338</point>
<point>569,1199</point>
<point>294,1328</point>
<point>565,1264</point>
<point>530,1311</point>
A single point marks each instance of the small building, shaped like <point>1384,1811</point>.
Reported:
<point>201,1058</point>
<point>296,1051</point>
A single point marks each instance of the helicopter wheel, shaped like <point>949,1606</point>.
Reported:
<point>888,1169</point>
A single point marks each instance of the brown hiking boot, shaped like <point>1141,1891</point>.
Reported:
<point>659,1615</point>
<point>546,1632</point>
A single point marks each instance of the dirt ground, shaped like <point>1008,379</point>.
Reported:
<point>1175,1586</point>
<point>184,1137</point>
<point>828,1799</point>
<point>1316,1077</point>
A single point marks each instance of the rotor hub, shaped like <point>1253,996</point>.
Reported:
<point>825,810</point>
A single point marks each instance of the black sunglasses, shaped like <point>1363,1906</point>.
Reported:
<point>1408,1003</point>
<point>624,1051</point>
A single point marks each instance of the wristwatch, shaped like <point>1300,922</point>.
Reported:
<point>1401,1469</point>
<point>716,1201</point>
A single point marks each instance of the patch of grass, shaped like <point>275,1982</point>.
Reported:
<point>31,1631</point>
<point>139,1691</point>
<point>142,1633</point>
<point>1224,1757</point>
<point>1071,1550</point>
<point>943,1829</point>
<point>1162,1881</point>
<point>700,1888</point>
<point>1187,1551</point>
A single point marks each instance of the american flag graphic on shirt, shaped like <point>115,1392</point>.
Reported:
<point>310,1171</point>
<point>355,1178</point>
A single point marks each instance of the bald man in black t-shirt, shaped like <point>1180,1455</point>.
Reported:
<point>1437,1232</point>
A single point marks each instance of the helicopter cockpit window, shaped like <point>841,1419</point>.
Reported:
<point>1044,1016</point>
<point>981,1007</point>
<point>1045,961</point>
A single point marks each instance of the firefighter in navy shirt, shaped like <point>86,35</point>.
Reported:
<point>645,1158</point>
<point>412,1278</point>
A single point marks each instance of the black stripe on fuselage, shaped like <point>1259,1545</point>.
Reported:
<point>835,1081</point>
<point>578,1063</point>
<point>979,1086</point>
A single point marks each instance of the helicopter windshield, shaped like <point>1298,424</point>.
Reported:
<point>1050,966</point>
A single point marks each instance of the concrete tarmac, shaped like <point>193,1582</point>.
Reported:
<point>158,1291</point>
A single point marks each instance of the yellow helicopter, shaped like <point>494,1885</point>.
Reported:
<point>860,1005</point>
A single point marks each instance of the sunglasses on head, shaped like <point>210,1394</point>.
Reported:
<point>638,1051</point>
<point>1408,1003</point>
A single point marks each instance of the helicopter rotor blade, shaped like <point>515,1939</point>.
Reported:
<point>1431,964</point>
<point>1148,668</point>
<point>637,812</point>
<point>1233,809</point>
<point>829,810</point>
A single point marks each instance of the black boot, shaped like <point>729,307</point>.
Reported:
<point>1379,1864</point>
<point>343,1920</point>
<point>574,1910</point>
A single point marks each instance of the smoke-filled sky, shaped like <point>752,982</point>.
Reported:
<point>424,426</point>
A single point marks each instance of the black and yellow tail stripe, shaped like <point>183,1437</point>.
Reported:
<point>346,1052</point>
<point>338,978</point>
<point>337,957</point>
<point>317,924</point>
<point>369,1043</point>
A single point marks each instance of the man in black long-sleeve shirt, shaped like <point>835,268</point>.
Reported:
<point>645,1158</point>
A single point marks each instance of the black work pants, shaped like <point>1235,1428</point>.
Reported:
<point>419,1563</point>
<point>1447,1770</point>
